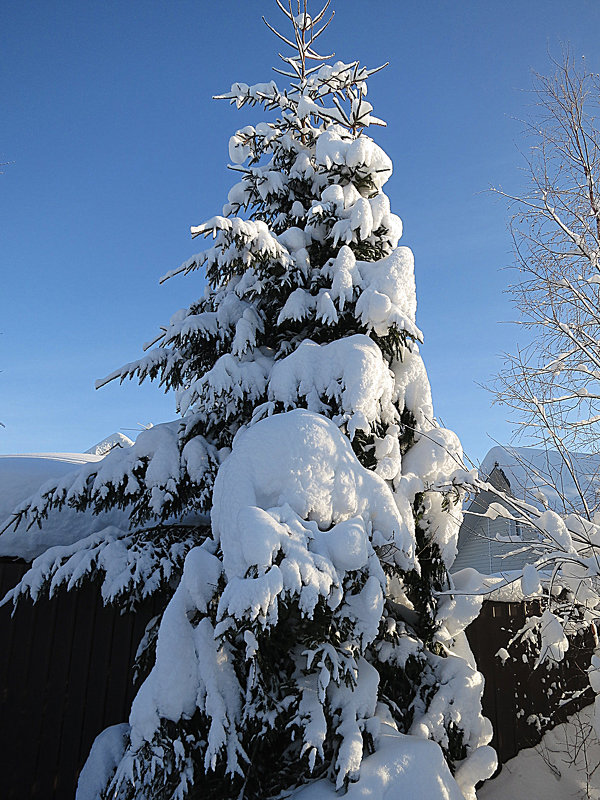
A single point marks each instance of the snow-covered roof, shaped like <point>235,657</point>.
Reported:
<point>106,445</point>
<point>20,477</point>
<point>537,475</point>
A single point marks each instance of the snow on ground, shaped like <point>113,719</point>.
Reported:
<point>20,477</point>
<point>556,769</point>
<point>403,767</point>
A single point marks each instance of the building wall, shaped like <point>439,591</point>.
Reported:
<point>490,545</point>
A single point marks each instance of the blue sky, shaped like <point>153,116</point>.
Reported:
<point>117,148</point>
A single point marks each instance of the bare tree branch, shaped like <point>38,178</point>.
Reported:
<point>552,386</point>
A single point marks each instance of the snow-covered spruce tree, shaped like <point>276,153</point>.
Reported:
<point>306,622</point>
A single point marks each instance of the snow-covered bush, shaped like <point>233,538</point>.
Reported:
<point>303,636</point>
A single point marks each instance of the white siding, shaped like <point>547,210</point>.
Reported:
<point>480,540</point>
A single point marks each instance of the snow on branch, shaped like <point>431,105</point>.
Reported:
<point>163,474</point>
<point>131,566</point>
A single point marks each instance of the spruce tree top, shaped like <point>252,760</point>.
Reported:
<point>305,254</point>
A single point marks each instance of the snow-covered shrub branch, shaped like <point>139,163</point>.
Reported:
<point>129,566</point>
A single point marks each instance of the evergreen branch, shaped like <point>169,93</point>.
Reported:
<point>288,14</point>
<point>130,566</point>
<point>316,35</point>
<point>321,14</point>
<point>283,72</point>
<point>279,35</point>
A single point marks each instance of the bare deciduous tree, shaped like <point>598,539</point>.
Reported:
<point>552,384</point>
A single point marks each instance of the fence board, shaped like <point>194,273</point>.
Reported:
<point>97,680</point>
<point>37,680</point>
<point>56,688</point>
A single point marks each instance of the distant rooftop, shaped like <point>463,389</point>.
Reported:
<point>108,444</point>
<point>541,476</point>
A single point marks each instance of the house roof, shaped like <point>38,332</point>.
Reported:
<point>108,444</point>
<point>541,476</point>
<point>20,477</point>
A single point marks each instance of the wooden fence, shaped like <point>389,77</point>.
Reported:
<point>523,702</point>
<point>65,675</point>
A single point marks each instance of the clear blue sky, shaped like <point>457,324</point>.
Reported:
<point>118,149</point>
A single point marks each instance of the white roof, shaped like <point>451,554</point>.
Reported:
<point>20,477</point>
<point>533,473</point>
<point>106,445</point>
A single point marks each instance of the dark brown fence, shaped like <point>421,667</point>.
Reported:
<point>65,675</point>
<point>523,702</point>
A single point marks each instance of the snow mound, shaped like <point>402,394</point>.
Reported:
<point>561,767</point>
<point>302,461</point>
<point>102,761</point>
<point>106,445</point>
<point>402,767</point>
